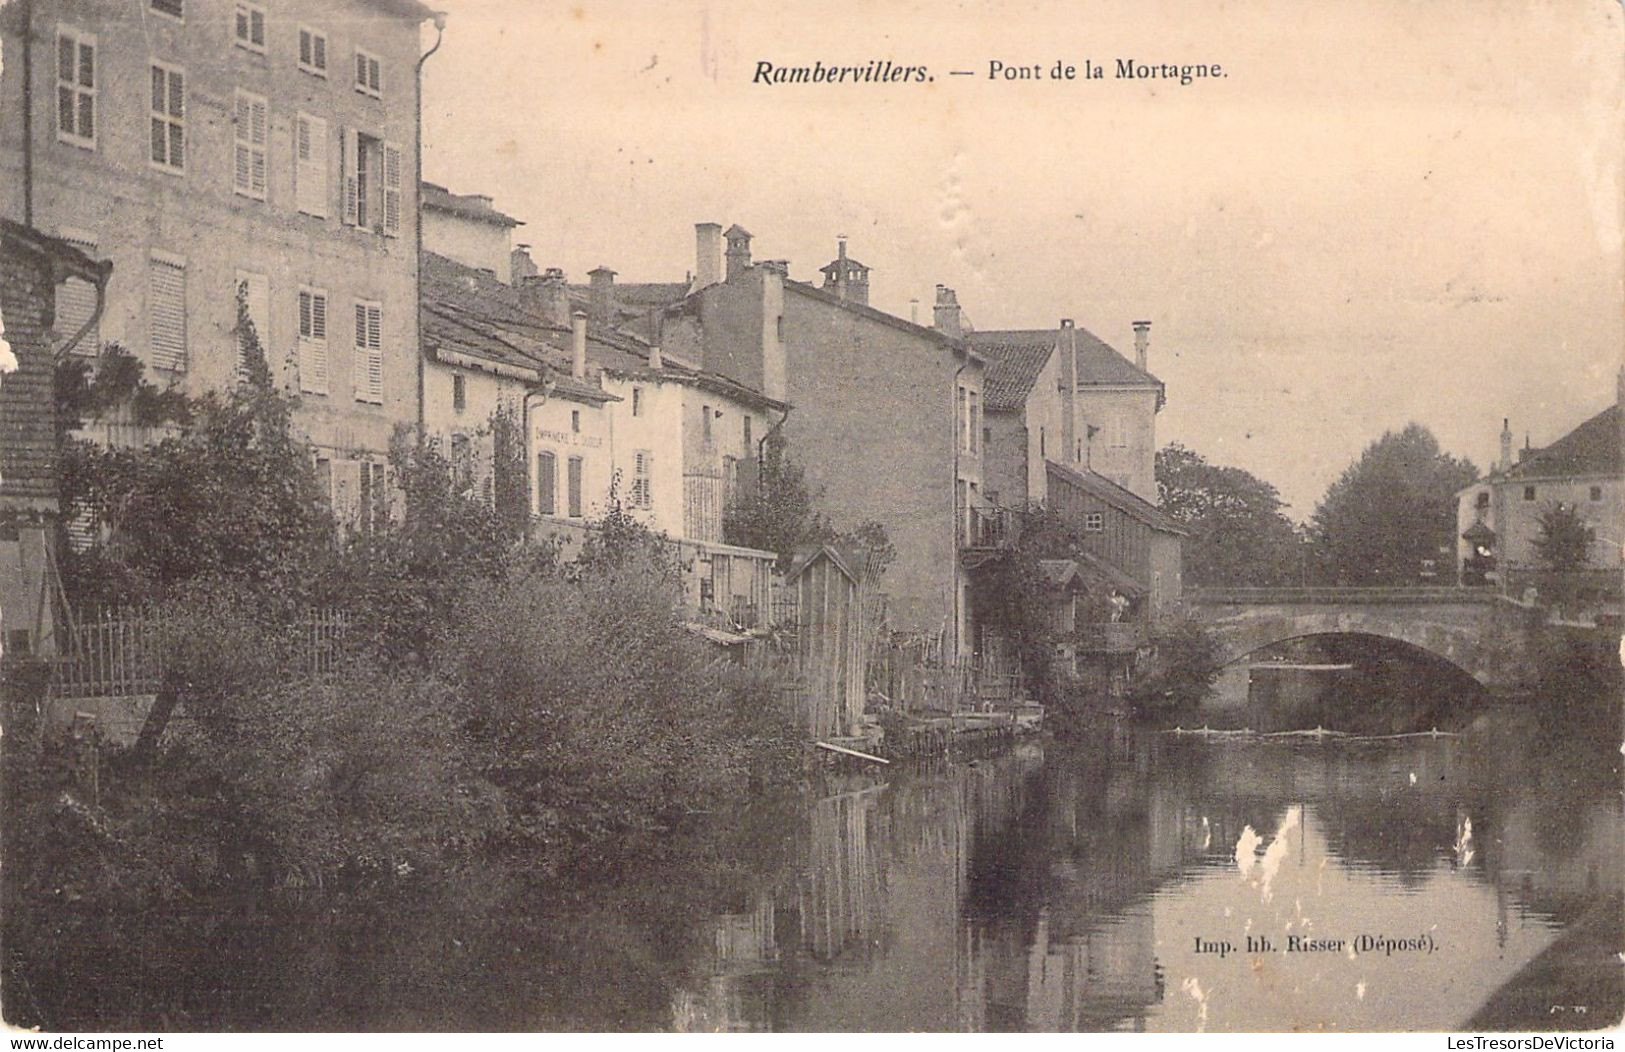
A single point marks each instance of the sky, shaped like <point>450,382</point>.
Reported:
<point>1384,211</point>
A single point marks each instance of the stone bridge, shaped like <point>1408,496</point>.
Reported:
<point>1474,629</point>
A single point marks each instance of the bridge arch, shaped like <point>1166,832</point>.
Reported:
<point>1461,630</point>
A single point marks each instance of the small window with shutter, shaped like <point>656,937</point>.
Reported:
<point>369,77</point>
<point>310,164</point>
<point>459,392</point>
<point>172,8</point>
<point>250,131</point>
<point>313,51</point>
<point>368,367</point>
<point>313,340</point>
<point>75,87</point>
<point>166,312</point>
<point>248,30</point>
<point>642,479</point>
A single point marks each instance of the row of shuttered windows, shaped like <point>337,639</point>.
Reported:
<point>372,171</point>
<point>547,484</point>
<point>167,336</point>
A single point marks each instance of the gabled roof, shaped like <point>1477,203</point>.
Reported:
<point>1060,573</point>
<point>805,557</point>
<point>1104,489</point>
<point>1593,448</point>
<point>1014,361</point>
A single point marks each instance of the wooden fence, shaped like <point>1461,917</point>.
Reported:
<point>114,652</point>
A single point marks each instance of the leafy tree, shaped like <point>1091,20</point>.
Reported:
<point>1238,535</point>
<point>230,493</point>
<point>780,514</point>
<point>1390,511</point>
<point>1565,538</point>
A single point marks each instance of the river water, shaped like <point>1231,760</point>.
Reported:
<point>1107,884</point>
<point>1115,886</point>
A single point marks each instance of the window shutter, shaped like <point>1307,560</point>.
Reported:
<point>367,372</point>
<point>351,168</point>
<point>573,483</point>
<point>392,190</point>
<point>546,485</point>
<point>375,355</point>
<point>310,164</point>
<point>259,130</point>
<point>313,341</point>
<point>240,153</point>
<point>166,313</point>
<point>76,304</point>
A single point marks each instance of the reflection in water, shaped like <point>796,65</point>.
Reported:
<point>1120,885</point>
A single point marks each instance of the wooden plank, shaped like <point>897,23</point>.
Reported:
<point>852,752</point>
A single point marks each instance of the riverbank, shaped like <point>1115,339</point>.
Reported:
<point>1578,983</point>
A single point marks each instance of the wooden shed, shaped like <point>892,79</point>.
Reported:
<point>831,642</point>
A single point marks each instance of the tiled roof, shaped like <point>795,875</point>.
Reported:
<point>1014,360</point>
<point>1593,448</point>
<point>1126,501</point>
<point>491,310</point>
<point>437,198</point>
<point>1099,363</point>
<point>1023,353</point>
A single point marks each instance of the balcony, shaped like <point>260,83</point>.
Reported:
<point>1122,637</point>
<point>985,528</point>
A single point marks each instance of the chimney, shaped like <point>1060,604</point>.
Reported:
<point>738,251</point>
<point>1506,444</point>
<point>1068,349</point>
<point>1523,453</point>
<point>578,345</point>
<point>946,313</point>
<point>520,266</point>
<point>549,297</point>
<point>707,254</point>
<point>601,296</point>
<point>1142,343</point>
<point>914,311</point>
<point>657,324</point>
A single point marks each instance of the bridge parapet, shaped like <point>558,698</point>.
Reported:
<point>1333,596</point>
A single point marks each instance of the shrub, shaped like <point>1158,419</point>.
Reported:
<point>1182,668</point>
<point>596,711</point>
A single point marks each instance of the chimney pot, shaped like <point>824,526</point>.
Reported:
<point>1066,323</point>
<point>1142,343</point>
<point>578,345</point>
